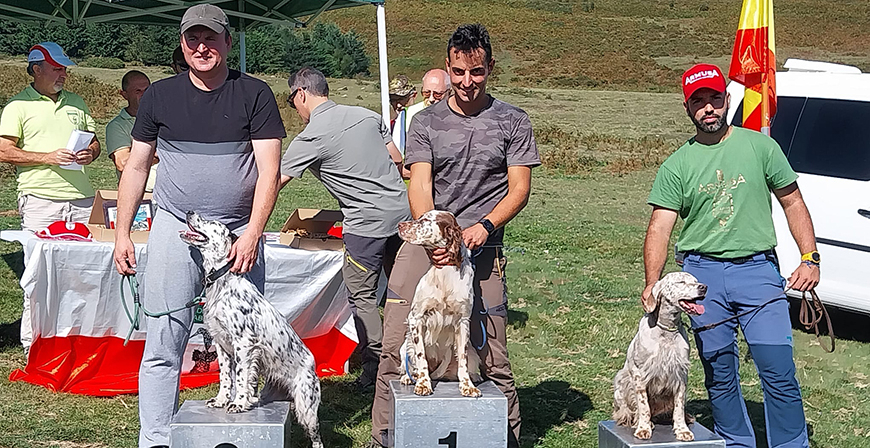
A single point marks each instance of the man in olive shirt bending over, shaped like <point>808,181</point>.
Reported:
<point>350,150</point>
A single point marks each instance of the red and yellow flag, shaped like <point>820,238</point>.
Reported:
<point>753,63</point>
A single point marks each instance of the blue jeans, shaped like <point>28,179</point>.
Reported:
<point>731,289</point>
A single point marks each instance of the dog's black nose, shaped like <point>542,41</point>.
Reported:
<point>189,214</point>
<point>702,288</point>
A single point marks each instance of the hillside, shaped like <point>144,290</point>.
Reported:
<point>639,45</point>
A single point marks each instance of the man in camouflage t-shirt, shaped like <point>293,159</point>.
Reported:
<point>471,155</point>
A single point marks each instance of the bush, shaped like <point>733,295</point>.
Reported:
<point>278,49</point>
<point>102,62</point>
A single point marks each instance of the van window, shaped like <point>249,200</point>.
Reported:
<point>788,110</point>
<point>831,138</point>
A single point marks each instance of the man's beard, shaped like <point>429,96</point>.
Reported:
<point>710,128</point>
<point>56,88</point>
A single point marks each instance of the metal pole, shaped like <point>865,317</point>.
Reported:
<point>382,63</point>
<point>243,63</point>
<point>243,50</point>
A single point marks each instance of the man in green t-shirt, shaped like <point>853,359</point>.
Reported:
<point>118,138</point>
<point>719,183</point>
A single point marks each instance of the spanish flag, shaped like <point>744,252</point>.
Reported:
<point>753,63</point>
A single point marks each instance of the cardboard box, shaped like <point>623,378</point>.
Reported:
<point>96,222</point>
<point>306,229</point>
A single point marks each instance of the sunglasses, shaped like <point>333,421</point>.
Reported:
<point>181,66</point>
<point>435,93</point>
<point>292,96</point>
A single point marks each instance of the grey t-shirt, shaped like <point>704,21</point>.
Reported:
<point>345,148</point>
<point>470,156</point>
<point>207,162</point>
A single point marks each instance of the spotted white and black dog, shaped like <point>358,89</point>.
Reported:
<point>252,338</point>
<point>438,323</point>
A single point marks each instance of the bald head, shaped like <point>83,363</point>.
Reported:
<point>436,84</point>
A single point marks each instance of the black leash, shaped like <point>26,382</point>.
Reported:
<point>737,316</point>
<point>811,313</point>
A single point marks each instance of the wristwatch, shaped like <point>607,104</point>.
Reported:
<point>487,224</point>
<point>812,257</point>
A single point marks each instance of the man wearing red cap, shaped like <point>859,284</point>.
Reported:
<point>719,183</point>
<point>35,127</point>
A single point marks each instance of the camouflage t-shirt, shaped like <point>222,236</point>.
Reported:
<point>470,156</point>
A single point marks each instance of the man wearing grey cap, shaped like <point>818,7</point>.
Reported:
<point>34,130</point>
<point>218,135</point>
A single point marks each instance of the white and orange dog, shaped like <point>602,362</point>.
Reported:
<point>439,320</point>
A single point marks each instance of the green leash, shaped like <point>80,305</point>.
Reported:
<point>133,286</point>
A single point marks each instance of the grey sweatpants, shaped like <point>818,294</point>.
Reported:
<point>173,277</point>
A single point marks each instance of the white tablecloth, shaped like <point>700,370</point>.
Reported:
<point>74,290</point>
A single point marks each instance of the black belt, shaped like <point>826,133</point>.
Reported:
<point>680,256</point>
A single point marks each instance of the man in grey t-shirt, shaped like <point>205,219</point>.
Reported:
<point>350,150</point>
<point>472,155</point>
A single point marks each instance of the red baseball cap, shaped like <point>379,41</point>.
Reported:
<point>65,231</point>
<point>702,76</point>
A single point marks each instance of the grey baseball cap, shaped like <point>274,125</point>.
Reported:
<point>209,16</point>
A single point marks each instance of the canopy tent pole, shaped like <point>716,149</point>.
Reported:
<point>382,63</point>
<point>243,51</point>
<point>243,63</point>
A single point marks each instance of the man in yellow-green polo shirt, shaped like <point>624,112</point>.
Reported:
<point>35,127</point>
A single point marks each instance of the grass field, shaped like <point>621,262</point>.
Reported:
<point>574,277</point>
<point>638,45</point>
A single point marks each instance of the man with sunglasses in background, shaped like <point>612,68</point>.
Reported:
<point>343,146</point>
<point>436,87</point>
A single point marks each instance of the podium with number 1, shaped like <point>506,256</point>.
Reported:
<point>447,419</point>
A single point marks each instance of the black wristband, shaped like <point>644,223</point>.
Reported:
<point>487,224</point>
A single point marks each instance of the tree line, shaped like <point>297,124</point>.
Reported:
<point>270,48</point>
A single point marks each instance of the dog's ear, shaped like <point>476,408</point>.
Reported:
<point>651,304</point>
<point>453,234</point>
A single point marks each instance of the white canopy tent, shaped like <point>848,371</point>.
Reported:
<point>243,14</point>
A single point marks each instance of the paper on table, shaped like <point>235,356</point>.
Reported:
<point>78,141</point>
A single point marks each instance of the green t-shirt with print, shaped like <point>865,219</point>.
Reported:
<point>722,192</point>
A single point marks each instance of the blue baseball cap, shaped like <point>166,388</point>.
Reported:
<point>49,52</point>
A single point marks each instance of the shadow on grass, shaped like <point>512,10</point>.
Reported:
<point>549,404</point>
<point>10,334</point>
<point>341,406</point>
<point>15,261</point>
<point>847,325</point>
<point>703,413</point>
<point>517,319</point>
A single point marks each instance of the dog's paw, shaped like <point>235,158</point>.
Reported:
<point>468,390</point>
<point>684,435</point>
<point>405,380</point>
<point>216,402</point>
<point>643,432</point>
<point>236,408</point>
<point>424,387</point>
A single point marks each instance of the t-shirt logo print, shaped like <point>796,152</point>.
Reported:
<point>74,118</point>
<point>723,200</point>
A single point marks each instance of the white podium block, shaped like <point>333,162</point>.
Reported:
<point>610,435</point>
<point>196,426</point>
<point>447,419</point>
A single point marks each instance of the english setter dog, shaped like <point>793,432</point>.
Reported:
<point>438,323</point>
<point>653,381</point>
<point>251,337</point>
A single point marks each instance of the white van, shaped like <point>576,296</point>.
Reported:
<point>822,124</point>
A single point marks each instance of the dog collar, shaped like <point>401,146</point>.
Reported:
<point>214,275</point>
<point>670,329</point>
